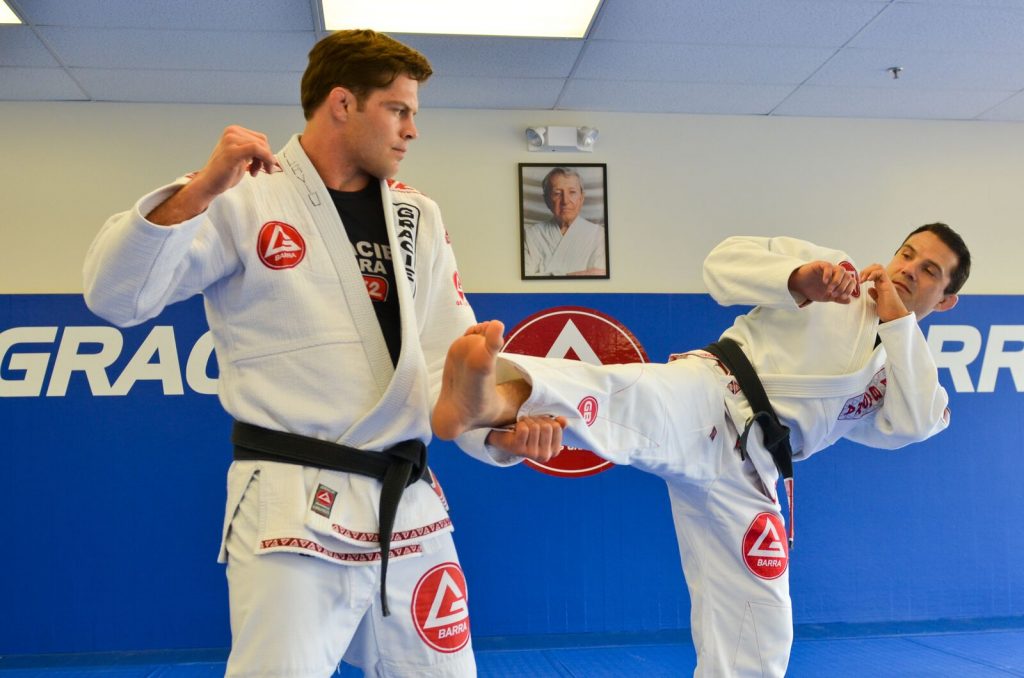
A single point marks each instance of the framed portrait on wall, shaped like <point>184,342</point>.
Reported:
<point>563,224</point>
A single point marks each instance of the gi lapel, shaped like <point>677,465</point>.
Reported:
<point>325,217</point>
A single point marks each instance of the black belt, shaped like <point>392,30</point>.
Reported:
<point>776,434</point>
<point>396,467</point>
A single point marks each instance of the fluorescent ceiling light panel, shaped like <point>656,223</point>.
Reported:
<point>520,18</point>
<point>7,15</point>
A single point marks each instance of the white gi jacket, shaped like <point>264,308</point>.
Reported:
<point>299,347</point>
<point>548,252</point>
<point>819,364</point>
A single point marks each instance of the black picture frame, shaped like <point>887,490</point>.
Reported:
<point>547,248</point>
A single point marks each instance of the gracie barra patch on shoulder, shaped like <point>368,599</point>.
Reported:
<point>323,501</point>
<point>764,547</point>
<point>869,401</point>
<point>440,610</point>
<point>460,298</point>
<point>280,246</point>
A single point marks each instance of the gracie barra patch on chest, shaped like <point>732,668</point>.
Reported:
<point>407,225</point>
<point>869,401</point>
<point>280,246</point>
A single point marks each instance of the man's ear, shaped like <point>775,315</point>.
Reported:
<point>341,100</point>
<point>948,302</point>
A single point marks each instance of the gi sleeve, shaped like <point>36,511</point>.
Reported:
<point>754,271</point>
<point>135,268</point>
<point>915,404</point>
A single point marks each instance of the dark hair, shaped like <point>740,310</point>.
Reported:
<point>360,60</point>
<point>558,172</point>
<point>958,276</point>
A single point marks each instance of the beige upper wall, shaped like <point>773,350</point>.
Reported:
<point>677,185</point>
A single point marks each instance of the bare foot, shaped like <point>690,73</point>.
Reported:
<point>469,398</point>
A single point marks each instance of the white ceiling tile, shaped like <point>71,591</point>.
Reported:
<point>235,15</point>
<point>495,93</point>
<point>202,87</point>
<point>660,97</point>
<point>960,58</point>
<point>1012,109</point>
<point>19,46</point>
<point>608,60</point>
<point>966,3</point>
<point>854,67</point>
<point>484,56</point>
<point>194,50</point>
<point>38,84</point>
<point>813,23</point>
<point>885,102</point>
<point>950,28</point>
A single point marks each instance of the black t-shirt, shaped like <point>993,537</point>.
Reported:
<point>362,214</point>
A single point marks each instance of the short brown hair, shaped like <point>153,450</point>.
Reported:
<point>958,276</point>
<point>360,60</point>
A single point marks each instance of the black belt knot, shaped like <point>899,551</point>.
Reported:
<point>396,467</point>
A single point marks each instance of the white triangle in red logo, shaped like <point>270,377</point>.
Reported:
<point>280,242</point>
<point>775,548</point>
<point>449,604</point>
<point>571,340</point>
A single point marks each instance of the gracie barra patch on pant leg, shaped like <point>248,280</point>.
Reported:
<point>439,608</point>
<point>764,546</point>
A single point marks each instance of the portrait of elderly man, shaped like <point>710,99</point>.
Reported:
<point>567,244</point>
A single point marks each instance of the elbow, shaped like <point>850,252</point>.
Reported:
<point>107,307</point>
<point>920,432</point>
<point>109,313</point>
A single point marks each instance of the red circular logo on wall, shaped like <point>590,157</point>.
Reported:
<point>280,245</point>
<point>439,608</point>
<point>575,333</point>
<point>764,546</point>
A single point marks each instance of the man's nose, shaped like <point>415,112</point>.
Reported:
<point>410,132</point>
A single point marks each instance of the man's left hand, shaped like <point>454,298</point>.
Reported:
<point>888,304</point>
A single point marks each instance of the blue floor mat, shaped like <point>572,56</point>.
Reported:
<point>960,654</point>
<point>898,657</point>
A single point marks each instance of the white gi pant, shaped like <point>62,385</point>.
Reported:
<point>671,420</point>
<point>299,616</point>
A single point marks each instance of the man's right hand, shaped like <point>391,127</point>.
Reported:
<point>822,281</point>
<point>238,151</point>
<point>538,438</point>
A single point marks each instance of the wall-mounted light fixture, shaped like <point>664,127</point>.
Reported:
<point>554,139</point>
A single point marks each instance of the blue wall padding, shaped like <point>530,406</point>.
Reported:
<point>112,505</point>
